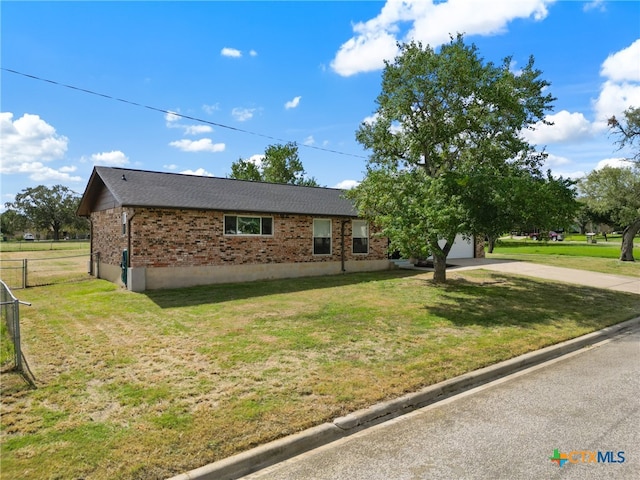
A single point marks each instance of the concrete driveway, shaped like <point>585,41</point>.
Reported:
<point>568,275</point>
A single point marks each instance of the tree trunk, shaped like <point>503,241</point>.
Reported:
<point>626,250</point>
<point>492,243</point>
<point>440,259</point>
<point>439,269</point>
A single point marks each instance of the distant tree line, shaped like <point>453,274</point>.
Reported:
<point>44,209</point>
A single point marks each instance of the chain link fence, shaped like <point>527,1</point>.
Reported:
<point>11,351</point>
<point>36,272</point>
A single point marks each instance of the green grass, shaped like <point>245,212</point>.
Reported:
<point>143,386</point>
<point>48,262</point>
<point>599,257</point>
<point>71,246</point>
<point>7,351</point>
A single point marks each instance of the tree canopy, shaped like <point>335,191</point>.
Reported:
<point>281,164</point>
<point>614,193</point>
<point>48,208</point>
<point>627,131</point>
<point>447,154</point>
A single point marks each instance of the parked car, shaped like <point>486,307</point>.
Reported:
<point>29,237</point>
<point>555,236</point>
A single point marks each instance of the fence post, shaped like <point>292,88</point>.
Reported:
<point>11,315</point>
<point>16,333</point>
<point>24,273</point>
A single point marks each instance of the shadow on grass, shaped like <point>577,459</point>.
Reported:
<point>505,300</point>
<point>217,293</point>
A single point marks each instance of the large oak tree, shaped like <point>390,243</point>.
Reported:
<point>48,208</point>
<point>614,193</point>
<point>448,156</point>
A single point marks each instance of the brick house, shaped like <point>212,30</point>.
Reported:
<point>152,230</point>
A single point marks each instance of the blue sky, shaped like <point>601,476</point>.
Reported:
<point>260,73</point>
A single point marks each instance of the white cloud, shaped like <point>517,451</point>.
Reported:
<point>114,158</point>
<point>364,53</point>
<point>197,129</point>
<point>575,175</point>
<point>256,159</point>
<point>39,172</point>
<point>566,127</point>
<point>594,5</point>
<point>253,53</point>
<point>614,99</point>
<point>556,160</point>
<point>347,184</point>
<point>202,145</point>
<point>430,23</point>
<point>172,166</point>
<point>201,172</point>
<point>28,142</point>
<point>613,162</point>
<point>370,120</point>
<point>211,108</point>
<point>171,118</point>
<point>231,52</point>
<point>293,103</point>
<point>621,88</point>
<point>29,139</point>
<point>309,140</point>
<point>623,66</point>
<point>243,114</point>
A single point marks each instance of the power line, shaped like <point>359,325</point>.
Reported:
<point>169,112</point>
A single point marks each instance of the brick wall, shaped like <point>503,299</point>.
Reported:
<point>168,237</point>
<point>107,238</point>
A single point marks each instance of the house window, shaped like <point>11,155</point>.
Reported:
<point>236,225</point>
<point>124,223</point>
<point>360,236</point>
<point>322,236</point>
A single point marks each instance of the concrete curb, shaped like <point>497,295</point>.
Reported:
<point>279,450</point>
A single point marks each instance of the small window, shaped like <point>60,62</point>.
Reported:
<point>236,225</point>
<point>322,237</point>
<point>124,223</point>
<point>230,227</point>
<point>267,226</point>
<point>360,236</point>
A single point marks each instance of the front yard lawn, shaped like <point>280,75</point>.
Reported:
<point>143,386</point>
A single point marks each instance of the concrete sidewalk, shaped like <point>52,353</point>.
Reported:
<point>619,283</point>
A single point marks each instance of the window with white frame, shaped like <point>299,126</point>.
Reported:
<point>321,236</point>
<point>360,236</point>
<point>124,223</point>
<point>239,225</point>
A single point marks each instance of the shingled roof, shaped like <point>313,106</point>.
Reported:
<point>140,188</point>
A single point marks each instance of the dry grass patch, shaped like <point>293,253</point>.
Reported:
<point>150,385</point>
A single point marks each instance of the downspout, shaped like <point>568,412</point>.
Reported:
<point>91,258</point>
<point>129,218</point>
<point>342,224</point>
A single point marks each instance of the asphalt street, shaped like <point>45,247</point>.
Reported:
<point>585,405</point>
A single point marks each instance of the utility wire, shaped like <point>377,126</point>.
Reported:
<point>169,112</point>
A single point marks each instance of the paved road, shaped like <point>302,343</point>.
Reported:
<point>587,401</point>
